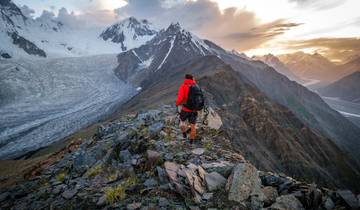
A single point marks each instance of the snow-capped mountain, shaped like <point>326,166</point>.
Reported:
<point>171,46</point>
<point>129,33</point>
<point>27,37</point>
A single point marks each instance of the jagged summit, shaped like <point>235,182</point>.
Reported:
<point>129,33</point>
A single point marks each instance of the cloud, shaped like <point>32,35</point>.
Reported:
<point>231,28</point>
<point>319,4</point>
<point>338,49</point>
<point>27,12</point>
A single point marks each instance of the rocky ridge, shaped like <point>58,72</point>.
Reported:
<point>140,161</point>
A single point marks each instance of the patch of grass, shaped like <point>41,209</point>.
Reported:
<point>61,176</point>
<point>112,177</point>
<point>208,145</point>
<point>144,131</point>
<point>118,193</point>
<point>95,170</point>
<point>115,194</point>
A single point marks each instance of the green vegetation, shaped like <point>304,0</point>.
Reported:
<point>95,170</point>
<point>208,145</point>
<point>118,193</point>
<point>61,176</point>
<point>115,194</point>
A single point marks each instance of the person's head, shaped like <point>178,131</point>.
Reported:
<point>189,76</point>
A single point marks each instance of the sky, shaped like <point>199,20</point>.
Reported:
<point>329,27</point>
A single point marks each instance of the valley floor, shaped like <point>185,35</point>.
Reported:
<point>348,109</point>
<point>43,101</point>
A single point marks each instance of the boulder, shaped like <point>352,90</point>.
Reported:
<point>287,202</point>
<point>101,201</point>
<point>214,120</point>
<point>329,204</point>
<point>214,181</point>
<point>125,156</point>
<point>133,206</point>
<point>349,198</point>
<point>150,182</point>
<point>82,161</point>
<point>155,129</point>
<point>153,158</point>
<point>222,167</point>
<point>68,194</point>
<point>171,170</point>
<point>198,151</point>
<point>270,194</point>
<point>243,182</point>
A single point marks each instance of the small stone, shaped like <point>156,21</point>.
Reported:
<point>329,204</point>
<point>163,202</point>
<point>214,181</point>
<point>150,182</point>
<point>287,202</point>
<point>208,196</point>
<point>153,156</point>
<point>133,206</point>
<point>125,156</point>
<point>349,198</point>
<point>58,189</point>
<point>270,194</point>
<point>155,128</point>
<point>101,201</point>
<point>68,194</point>
<point>198,151</point>
<point>169,157</point>
<point>4,196</point>
<point>161,175</point>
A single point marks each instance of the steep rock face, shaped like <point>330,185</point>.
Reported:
<point>346,88</point>
<point>305,104</point>
<point>272,137</point>
<point>26,45</point>
<point>171,47</point>
<point>269,135</point>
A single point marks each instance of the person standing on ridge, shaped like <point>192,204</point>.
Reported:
<point>190,100</point>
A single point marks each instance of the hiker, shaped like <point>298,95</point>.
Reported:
<point>190,100</point>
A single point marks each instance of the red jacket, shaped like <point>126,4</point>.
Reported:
<point>183,94</point>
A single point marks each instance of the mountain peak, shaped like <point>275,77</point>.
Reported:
<point>129,30</point>
<point>174,27</point>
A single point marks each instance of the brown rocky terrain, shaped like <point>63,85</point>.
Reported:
<point>140,161</point>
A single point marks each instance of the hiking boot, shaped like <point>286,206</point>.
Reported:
<point>184,135</point>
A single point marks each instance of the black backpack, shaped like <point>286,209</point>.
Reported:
<point>196,100</point>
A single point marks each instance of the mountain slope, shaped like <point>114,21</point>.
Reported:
<point>310,66</point>
<point>306,105</point>
<point>140,161</point>
<point>269,135</point>
<point>346,88</point>
<point>280,67</point>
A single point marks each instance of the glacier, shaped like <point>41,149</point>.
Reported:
<point>45,100</point>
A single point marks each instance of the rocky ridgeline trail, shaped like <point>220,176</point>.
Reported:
<point>142,162</point>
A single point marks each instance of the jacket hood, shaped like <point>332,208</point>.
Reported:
<point>189,82</point>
